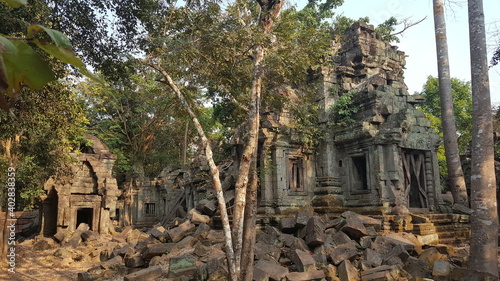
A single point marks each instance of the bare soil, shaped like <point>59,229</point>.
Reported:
<point>42,265</point>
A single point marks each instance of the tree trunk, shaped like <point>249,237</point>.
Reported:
<point>484,220</point>
<point>248,248</point>
<point>453,163</point>
<point>247,158</point>
<point>213,170</point>
<point>268,14</point>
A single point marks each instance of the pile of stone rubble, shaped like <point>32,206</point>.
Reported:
<point>303,247</point>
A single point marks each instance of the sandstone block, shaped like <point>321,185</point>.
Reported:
<point>347,271</point>
<point>441,268</point>
<point>287,225</point>
<point>273,269</point>
<point>181,231</point>
<point>302,260</point>
<point>430,239</point>
<point>197,218</point>
<point>314,232</point>
<point>303,216</point>
<point>305,276</point>
<point>134,261</point>
<point>147,274</point>
<point>112,263</point>
<point>183,265</point>
<point>153,250</point>
<point>343,252</point>
<point>264,251</point>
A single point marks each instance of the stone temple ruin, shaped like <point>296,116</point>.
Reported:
<point>88,196</point>
<point>385,157</point>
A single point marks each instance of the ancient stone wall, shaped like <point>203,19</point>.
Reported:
<point>89,195</point>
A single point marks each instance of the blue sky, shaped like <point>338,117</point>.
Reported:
<point>418,42</point>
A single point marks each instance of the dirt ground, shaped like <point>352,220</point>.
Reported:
<point>42,265</point>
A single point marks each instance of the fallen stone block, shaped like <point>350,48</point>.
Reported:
<point>61,236</point>
<point>82,227</point>
<point>153,250</point>
<point>197,218</point>
<point>372,258</point>
<point>343,252</point>
<point>264,251</point>
<point>158,232</point>
<point>347,271</point>
<point>321,256</point>
<point>202,231</point>
<point>417,268</point>
<point>177,233</point>
<point>89,235</point>
<point>147,274</point>
<point>441,268</point>
<point>384,244</point>
<point>112,263</point>
<point>134,261</point>
<point>430,255</point>
<point>75,239</point>
<point>341,238</point>
<point>183,265</point>
<point>305,276</point>
<point>366,220</point>
<point>381,273</point>
<point>354,228</point>
<point>287,225</point>
<point>314,232</point>
<point>273,269</point>
<point>303,216</point>
<point>260,275</point>
<point>430,239</point>
<point>302,260</point>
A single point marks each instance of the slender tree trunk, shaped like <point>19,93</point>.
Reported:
<point>484,220</point>
<point>454,166</point>
<point>248,248</point>
<point>213,170</point>
<point>184,150</point>
<point>247,158</point>
<point>268,14</point>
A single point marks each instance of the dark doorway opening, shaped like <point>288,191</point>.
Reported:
<point>84,215</point>
<point>360,173</point>
<point>50,213</point>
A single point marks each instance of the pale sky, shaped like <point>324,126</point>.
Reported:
<point>418,42</point>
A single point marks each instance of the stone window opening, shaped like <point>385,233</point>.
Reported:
<point>150,209</point>
<point>359,179</point>
<point>84,215</point>
<point>296,175</point>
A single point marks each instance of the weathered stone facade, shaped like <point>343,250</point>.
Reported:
<point>88,196</point>
<point>384,157</point>
<point>146,202</point>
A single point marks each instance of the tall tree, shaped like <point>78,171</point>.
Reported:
<point>455,174</point>
<point>484,220</point>
<point>462,105</point>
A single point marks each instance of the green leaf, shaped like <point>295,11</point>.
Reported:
<point>15,3</point>
<point>60,48</point>
<point>25,67</point>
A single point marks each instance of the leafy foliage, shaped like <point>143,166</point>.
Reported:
<point>462,102</point>
<point>343,109</point>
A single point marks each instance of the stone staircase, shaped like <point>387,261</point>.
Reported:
<point>452,229</point>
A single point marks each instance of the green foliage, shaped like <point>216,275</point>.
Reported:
<point>462,103</point>
<point>45,120</point>
<point>387,28</point>
<point>343,109</point>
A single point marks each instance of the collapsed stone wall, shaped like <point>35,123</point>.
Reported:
<point>88,195</point>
